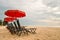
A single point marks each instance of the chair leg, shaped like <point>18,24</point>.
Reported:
<point>20,32</point>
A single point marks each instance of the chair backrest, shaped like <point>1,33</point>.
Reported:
<point>16,27</point>
<point>10,26</point>
<point>18,23</point>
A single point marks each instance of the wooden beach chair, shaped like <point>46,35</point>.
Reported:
<point>22,29</point>
<point>17,29</point>
<point>11,28</point>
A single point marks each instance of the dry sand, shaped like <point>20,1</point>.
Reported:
<point>42,33</point>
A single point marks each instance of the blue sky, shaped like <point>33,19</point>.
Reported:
<point>38,12</point>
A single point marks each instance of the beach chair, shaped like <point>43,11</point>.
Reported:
<point>19,28</point>
<point>22,29</point>
<point>32,30</point>
<point>11,28</point>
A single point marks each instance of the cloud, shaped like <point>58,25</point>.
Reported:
<point>38,12</point>
<point>52,3</point>
<point>47,22</point>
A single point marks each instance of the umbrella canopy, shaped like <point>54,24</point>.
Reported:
<point>9,19</point>
<point>15,13</point>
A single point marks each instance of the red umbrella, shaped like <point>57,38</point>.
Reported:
<point>15,13</point>
<point>9,19</point>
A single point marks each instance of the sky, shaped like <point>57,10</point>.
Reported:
<point>38,12</point>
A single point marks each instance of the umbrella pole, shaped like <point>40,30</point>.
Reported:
<point>18,24</point>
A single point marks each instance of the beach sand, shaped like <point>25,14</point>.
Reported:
<point>42,33</point>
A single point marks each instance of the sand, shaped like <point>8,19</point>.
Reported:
<point>42,33</point>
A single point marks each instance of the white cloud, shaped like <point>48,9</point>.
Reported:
<point>52,3</point>
<point>35,10</point>
<point>57,13</point>
<point>48,21</point>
